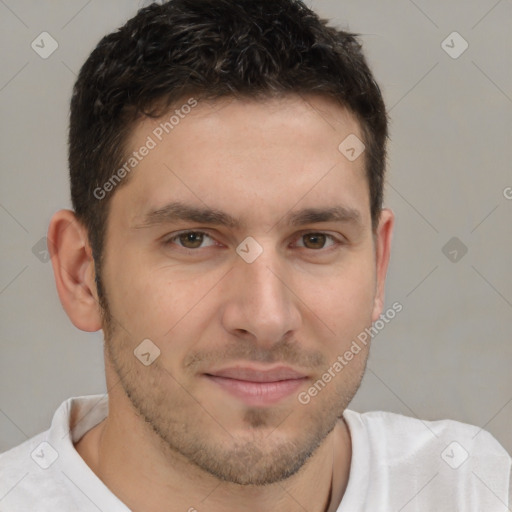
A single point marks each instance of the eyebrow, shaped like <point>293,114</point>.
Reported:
<point>178,211</point>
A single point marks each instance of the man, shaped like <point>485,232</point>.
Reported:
<point>227,163</point>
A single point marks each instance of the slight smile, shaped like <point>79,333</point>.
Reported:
<point>258,387</point>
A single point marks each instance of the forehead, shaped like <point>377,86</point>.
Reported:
<point>244,154</point>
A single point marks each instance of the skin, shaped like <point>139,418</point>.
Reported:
<point>173,440</point>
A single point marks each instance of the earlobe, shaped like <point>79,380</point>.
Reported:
<point>73,268</point>
<point>383,250</point>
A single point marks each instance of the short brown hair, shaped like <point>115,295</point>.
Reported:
<point>210,49</point>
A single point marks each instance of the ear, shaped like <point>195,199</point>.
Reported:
<point>383,238</point>
<point>73,267</point>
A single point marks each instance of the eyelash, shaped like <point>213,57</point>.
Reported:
<point>336,241</point>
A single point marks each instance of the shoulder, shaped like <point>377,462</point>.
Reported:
<point>26,476</point>
<point>406,436</point>
<point>45,473</point>
<point>447,460</point>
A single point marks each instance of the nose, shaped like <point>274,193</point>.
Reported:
<point>259,301</point>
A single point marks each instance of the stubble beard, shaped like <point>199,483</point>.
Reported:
<point>263,455</point>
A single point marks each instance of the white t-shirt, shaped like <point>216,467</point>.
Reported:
<point>398,464</point>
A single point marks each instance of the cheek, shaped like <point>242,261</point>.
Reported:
<point>139,298</point>
<point>345,298</point>
<point>160,302</point>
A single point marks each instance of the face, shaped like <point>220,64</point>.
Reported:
<point>242,248</point>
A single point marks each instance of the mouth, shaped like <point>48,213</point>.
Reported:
<point>257,386</point>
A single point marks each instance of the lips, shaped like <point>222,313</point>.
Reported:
<point>255,375</point>
<point>255,386</point>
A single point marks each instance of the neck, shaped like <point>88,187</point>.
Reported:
<point>149,477</point>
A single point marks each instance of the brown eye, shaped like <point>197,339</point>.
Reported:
<point>314,240</point>
<point>191,240</point>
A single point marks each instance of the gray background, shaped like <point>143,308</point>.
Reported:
<point>446,355</point>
